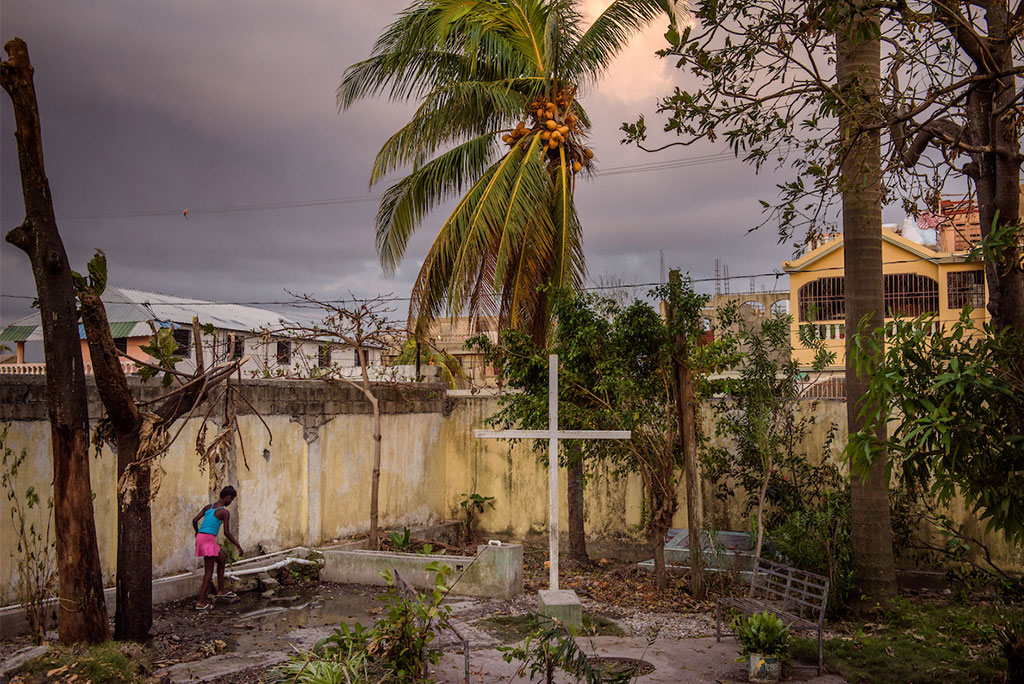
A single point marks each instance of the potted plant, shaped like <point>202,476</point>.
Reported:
<point>764,646</point>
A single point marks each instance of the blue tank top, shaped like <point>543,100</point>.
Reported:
<point>211,523</point>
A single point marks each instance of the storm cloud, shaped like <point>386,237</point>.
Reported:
<point>227,109</point>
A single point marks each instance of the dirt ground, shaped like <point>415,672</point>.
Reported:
<point>239,640</point>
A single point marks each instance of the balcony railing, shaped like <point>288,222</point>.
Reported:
<point>40,368</point>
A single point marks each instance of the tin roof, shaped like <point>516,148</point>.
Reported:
<point>129,313</point>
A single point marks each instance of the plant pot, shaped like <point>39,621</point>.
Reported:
<point>763,669</point>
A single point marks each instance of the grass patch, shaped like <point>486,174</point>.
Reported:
<point>919,643</point>
<point>509,628</point>
<point>107,663</point>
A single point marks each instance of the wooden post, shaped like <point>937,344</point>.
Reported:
<point>553,472</point>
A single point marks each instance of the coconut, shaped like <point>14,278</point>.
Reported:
<point>588,153</point>
<point>540,113</point>
<point>507,138</point>
<point>545,135</point>
<point>552,124</point>
<point>552,143</point>
<point>576,166</point>
<point>564,130</point>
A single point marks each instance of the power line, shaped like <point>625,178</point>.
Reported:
<point>298,303</point>
<point>645,167</point>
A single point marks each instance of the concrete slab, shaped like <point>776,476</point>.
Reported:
<point>495,572</point>
<point>220,666</point>
<point>22,656</point>
<point>682,661</point>
<point>562,605</point>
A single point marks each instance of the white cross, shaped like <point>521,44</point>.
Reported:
<point>552,434</point>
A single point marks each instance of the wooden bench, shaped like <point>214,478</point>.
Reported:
<point>406,590</point>
<point>797,597</point>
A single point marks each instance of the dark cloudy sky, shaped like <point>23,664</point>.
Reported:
<point>150,108</point>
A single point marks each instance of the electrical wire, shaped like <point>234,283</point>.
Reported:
<point>645,167</point>
<point>592,288</point>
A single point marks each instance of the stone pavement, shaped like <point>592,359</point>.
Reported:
<point>679,661</point>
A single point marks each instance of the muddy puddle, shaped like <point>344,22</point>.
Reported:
<point>297,617</point>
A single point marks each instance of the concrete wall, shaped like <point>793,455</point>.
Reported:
<point>310,483</point>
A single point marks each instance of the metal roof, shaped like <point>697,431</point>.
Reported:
<point>128,312</point>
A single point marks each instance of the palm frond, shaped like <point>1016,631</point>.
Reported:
<point>610,32</point>
<point>449,114</point>
<point>569,268</point>
<point>406,203</point>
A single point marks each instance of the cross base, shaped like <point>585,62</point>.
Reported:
<point>562,605</point>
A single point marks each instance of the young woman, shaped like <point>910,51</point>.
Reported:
<point>212,516</point>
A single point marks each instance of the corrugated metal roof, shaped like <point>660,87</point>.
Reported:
<point>17,333</point>
<point>180,310</point>
<point>129,310</point>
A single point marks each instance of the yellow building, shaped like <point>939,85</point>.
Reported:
<point>918,280</point>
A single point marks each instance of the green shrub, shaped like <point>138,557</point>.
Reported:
<point>817,539</point>
<point>396,649</point>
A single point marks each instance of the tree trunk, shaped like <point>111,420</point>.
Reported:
<point>82,614</point>
<point>694,516</point>
<point>371,542</point>
<point>997,174</point>
<point>859,74</point>
<point>133,616</point>
<point>657,541</point>
<point>574,485</point>
<point>686,415</point>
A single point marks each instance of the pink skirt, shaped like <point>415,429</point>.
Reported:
<point>206,545</point>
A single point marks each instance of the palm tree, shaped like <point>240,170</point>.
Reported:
<point>499,127</point>
<point>858,73</point>
<point>451,370</point>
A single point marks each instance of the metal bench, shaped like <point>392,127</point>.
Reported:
<point>797,597</point>
<point>406,590</point>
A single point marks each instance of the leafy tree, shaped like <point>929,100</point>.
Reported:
<point>364,325</point>
<point>500,127</point>
<point>758,415</point>
<point>797,83</point>
<point>616,371</point>
<point>959,408</point>
<point>581,323</point>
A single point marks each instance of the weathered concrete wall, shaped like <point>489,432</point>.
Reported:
<point>613,503</point>
<point>308,484</point>
<point>311,482</point>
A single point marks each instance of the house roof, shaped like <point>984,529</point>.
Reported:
<point>889,236</point>
<point>129,312</point>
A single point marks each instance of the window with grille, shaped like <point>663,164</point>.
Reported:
<point>966,288</point>
<point>121,344</point>
<point>284,352</point>
<point>183,336</point>
<point>238,347</point>
<point>910,294</point>
<point>324,356</point>
<point>359,361</point>
<point>823,300</point>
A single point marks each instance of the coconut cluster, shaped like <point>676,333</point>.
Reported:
<point>556,127</point>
